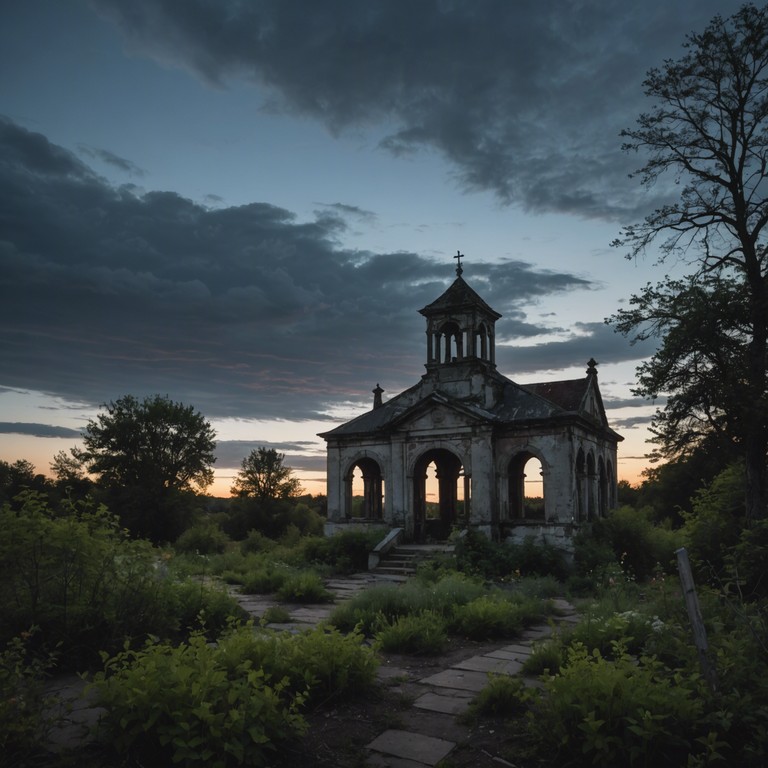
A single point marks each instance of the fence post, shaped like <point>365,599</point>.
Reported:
<point>694,614</point>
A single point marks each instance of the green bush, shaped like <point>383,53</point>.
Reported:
<point>345,552</point>
<point>635,541</point>
<point>256,541</point>
<point>78,578</point>
<point>619,712</point>
<point>389,602</point>
<point>276,614</point>
<point>304,587</point>
<point>203,538</point>
<point>503,696</point>
<point>494,616</point>
<point>196,605</point>
<point>269,578</point>
<point>546,657</point>
<point>183,705</point>
<point>476,554</point>
<point>23,722</point>
<point>422,634</point>
<point>318,664</point>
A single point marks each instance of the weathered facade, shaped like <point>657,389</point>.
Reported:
<point>478,429</point>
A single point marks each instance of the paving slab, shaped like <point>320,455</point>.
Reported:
<point>426,750</point>
<point>509,655</point>
<point>379,760</point>
<point>486,664</point>
<point>522,650</point>
<point>537,633</point>
<point>460,680</point>
<point>453,704</point>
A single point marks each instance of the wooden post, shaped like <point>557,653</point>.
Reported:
<point>694,614</point>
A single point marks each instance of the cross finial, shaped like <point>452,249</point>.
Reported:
<point>459,256</point>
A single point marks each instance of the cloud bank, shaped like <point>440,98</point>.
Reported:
<point>242,311</point>
<point>525,99</point>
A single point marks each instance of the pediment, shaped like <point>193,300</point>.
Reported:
<point>438,412</point>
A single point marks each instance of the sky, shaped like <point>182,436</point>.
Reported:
<point>243,205</point>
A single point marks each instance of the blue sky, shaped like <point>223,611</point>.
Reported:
<point>243,205</point>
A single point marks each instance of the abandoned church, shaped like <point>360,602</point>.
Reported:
<point>478,430</point>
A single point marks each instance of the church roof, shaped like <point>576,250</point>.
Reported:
<point>518,404</point>
<point>458,296</point>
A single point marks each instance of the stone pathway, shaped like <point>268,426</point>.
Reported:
<point>433,731</point>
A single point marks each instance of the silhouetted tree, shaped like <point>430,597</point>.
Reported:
<point>263,475</point>
<point>709,129</point>
<point>149,456</point>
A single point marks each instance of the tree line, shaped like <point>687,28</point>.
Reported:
<point>149,461</point>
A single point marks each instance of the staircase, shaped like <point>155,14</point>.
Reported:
<point>401,561</point>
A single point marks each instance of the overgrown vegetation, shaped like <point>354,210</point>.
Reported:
<point>228,704</point>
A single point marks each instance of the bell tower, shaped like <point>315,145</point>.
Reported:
<point>460,328</point>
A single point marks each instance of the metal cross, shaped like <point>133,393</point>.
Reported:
<point>459,256</point>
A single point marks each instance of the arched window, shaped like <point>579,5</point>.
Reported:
<point>365,490</point>
<point>450,343</point>
<point>591,488</point>
<point>581,486</point>
<point>526,487</point>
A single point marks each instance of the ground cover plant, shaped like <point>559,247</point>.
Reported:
<point>231,703</point>
<point>418,616</point>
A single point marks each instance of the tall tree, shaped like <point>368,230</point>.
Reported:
<point>263,475</point>
<point>708,128</point>
<point>145,454</point>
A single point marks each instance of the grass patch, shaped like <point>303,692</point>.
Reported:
<point>420,634</point>
<point>304,587</point>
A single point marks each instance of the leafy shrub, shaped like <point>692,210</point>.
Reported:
<point>304,587</point>
<point>503,696</point>
<point>423,633</point>
<point>494,616</point>
<point>183,705</point>
<point>546,657</point>
<point>318,664</point>
<point>345,552</point>
<point>269,578</point>
<point>256,541</point>
<point>388,602</point>
<point>78,578</point>
<point>276,614</point>
<point>195,604</point>
<point>476,554</point>
<point>23,723</point>
<point>203,538</point>
<point>635,541</point>
<point>620,712</point>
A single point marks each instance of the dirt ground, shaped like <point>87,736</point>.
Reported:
<point>338,733</point>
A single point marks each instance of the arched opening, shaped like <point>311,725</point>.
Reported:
<point>581,486</point>
<point>602,488</point>
<point>591,488</point>
<point>481,342</point>
<point>450,343</point>
<point>365,490</point>
<point>440,500</point>
<point>526,487</point>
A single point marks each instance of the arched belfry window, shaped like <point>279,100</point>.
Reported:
<point>482,342</point>
<point>450,343</point>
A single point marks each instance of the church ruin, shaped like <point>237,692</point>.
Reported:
<point>478,432</point>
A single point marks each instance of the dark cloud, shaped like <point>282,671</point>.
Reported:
<point>230,453</point>
<point>525,99</point>
<point>36,430</point>
<point>241,311</point>
<point>110,158</point>
<point>630,422</point>
<point>590,340</point>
